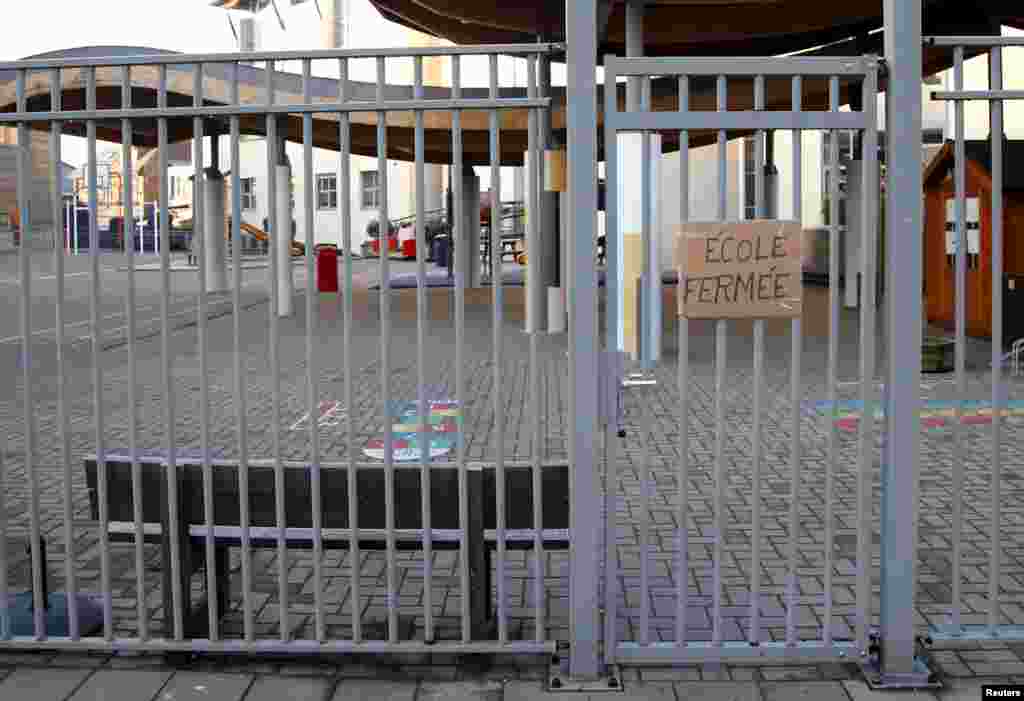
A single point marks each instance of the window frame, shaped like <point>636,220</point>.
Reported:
<point>248,199</point>
<point>373,190</point>
<point>330,192</point>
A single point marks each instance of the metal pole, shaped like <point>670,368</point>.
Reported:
<point>581,124</point>
<point>904,269</point>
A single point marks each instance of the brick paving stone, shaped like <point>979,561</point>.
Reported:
<point>816,691</point>
<point>197,686</point>
<point>122,685</point>
<point>29,684</point>
<point>278,689</point>
<point>374,690</point>
<point>859,691</point>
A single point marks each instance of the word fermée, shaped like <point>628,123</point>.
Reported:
<point>730,288</point>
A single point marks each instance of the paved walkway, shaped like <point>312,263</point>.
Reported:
<point>657,428</point>
<point>46,677</point>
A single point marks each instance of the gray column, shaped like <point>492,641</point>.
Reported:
<point>855,231</point>
<point>519,194</point>
<point>214,244</point>
<point>903,269</point>
<point>549,204</point>
<point>639,156</point>
<point>281,237</point>
<point>585,519</point>
<point>467,253</point>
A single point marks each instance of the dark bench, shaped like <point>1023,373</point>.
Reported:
<point>444,488</point>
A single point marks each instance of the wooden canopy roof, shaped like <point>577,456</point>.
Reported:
<point>400,139</point>
<point>687,27</point>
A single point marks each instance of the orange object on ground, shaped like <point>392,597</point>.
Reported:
<point>297,249</point>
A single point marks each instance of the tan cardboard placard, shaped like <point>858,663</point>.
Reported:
<point>739,270</point>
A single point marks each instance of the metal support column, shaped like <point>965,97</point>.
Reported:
<point>549,217</point>
<point>585,513</point>
<point>903,53</point>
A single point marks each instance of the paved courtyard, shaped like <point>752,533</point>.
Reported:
<point>657,427</point>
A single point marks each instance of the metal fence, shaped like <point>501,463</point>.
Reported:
<point>204,503</point>
<point>190,486</point>
<point>684,564</point>
<point>965,613</point>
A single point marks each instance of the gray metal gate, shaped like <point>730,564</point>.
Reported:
<point>150,492</point>
<point>659,606</point>
<point>983,597</point>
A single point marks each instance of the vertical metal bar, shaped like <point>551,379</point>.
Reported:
<point>5,611</point>
<point>24,175</point>
<point>869,234</point>
<point>683,566</point>
<point>796,344</point>
<point>239,361</point>
<point>345,215</point>
<point>498,323</point>
<point>648,353</point>
<point>311,365</point>
<point>165,351</point>
<point>63,424</point>
<point>903,53</point>
<point>995,556</point>
<point>533,245</point>
<point>959,287</point>
<point>721,356</point>
<point>643,423</point>
<point>581,125</point>
<point>833,354</point>
<point>611,287</point>
<point>128,202</point>
<point>273,160</point>
<point>384,231</point>
<point>461,268</point>
<point>755,552</point>
<point>421,359</point>
<point>199,224</point>
<point>97,373</point>
<point>647,357</point>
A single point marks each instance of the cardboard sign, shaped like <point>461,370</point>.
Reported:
<point>739,270</point>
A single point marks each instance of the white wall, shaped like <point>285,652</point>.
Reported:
<point>703,173</point>
<point>326,223</point>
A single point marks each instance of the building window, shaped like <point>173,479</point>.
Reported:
<point>327,191</point>
<point>370,188</point>
<point>247,191</point>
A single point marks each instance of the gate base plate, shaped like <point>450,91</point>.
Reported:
<point>559,679</point>
<point>921,677</point>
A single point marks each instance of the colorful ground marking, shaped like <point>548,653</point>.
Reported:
<point>933,413</point>
<point>444,421</point>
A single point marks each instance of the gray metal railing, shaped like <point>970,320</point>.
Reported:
<point>174,532</point>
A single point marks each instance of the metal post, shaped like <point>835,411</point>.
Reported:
<point>581,124</point>
<point>903,54</point>
<point>549,234</point>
